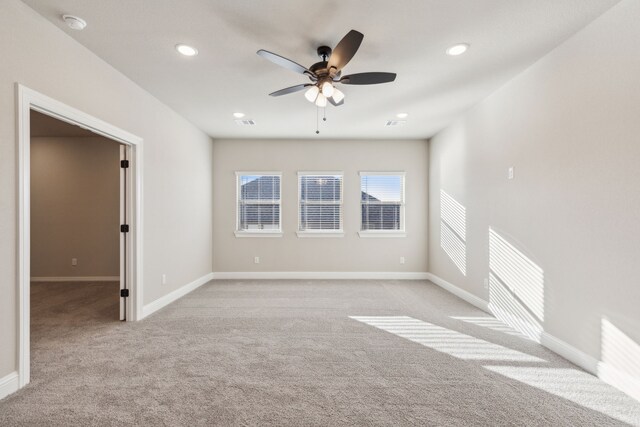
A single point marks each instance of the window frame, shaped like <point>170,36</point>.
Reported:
<point>402,232</point>
<point>320,233</point>
<point>257,232</point>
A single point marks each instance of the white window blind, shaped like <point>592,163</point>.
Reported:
<point>258,202</point>
<point>382,201</point>
<point>320,204</point>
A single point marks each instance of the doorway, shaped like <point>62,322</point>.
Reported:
<point>78,196</point>
<point>129,155</point>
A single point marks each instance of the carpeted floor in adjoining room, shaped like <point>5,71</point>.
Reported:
<point>296,353</point>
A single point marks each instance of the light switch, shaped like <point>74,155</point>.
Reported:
<point>510,172</point>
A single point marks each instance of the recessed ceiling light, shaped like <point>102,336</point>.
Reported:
<point>457,49</point>
<point>238,115</point>
<point>74,22</point>
<point>186,50</point>
<point>402,115</point>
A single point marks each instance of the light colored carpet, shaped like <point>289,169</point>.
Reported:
<point>297,353</point>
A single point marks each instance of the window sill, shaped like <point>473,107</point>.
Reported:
<point>382,234</point>
<point>320,233</point>
<point>258,233</point>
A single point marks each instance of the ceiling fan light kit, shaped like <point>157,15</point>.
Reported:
<point>324,75</point>
<point>321,101</point>
<point>312,93</point>
<point>337,96</point>
<point>327,89</point>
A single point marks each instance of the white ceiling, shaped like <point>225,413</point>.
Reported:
<point>408,37</point>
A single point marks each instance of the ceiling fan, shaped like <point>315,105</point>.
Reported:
<point>326,73</point>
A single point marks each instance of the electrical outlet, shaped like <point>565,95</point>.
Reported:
<point>74,261</point>
<point>401,260</point>
<point>164,279</point>
<point>486,283</point>
<point>510,174</point>
<point>256,260</point>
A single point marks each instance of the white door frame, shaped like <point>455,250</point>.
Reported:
<point>28,100</point>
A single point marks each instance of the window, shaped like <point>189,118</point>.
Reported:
<point>320,204</point>
<point>382,203</point>
<point>258,204</point>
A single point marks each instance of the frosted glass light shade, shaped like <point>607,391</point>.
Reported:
<point>337,96</point>
<point>321,101</point>
<point>327,89</point>
<point>312,93</point>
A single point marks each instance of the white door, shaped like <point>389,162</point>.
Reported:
<point>124,176</point>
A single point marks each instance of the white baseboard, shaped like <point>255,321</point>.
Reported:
<point>527,327</point>
<point>460,293</point>
<point>321,275</point>
<point>174,295</point>
<point>569,352</point>
<point>77,279</point>
<point>620,380</point>
<point>607,373</point>
<point>9,384</point>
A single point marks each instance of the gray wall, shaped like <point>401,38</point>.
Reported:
<point>564,245</point>
<point>177,157</point>
<point>346,254</point>
<point>75,206</point>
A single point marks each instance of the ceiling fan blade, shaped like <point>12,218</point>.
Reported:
<point>291,89</point>
<point>368,78</point>
<point>345,49</point>
<point>284,62</point>
<point>334,103</point>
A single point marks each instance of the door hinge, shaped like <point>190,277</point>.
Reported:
<point>124,293</point>
<point>124,164</point>
<point>124,228</point>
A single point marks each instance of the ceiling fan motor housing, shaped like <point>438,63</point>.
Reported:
<point>320,68</point>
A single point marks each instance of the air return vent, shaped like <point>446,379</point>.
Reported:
<point>395,123</point>
<point>245,122</point>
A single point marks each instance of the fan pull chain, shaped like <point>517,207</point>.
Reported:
<point>324,114</point>
<point>317,120</point>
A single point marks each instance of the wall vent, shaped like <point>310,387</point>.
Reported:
<point>245,122</point>
<point>395,123</point>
